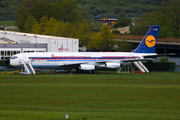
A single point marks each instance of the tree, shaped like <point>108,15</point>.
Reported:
<point>123,22</point>
<point>139,29</point>
<point>35,28</point>
<point>13,9</point>
<point>39,28</point>
<point>95,43</point>
<point>124,46</point>
<point>50,28</point>
<point>25,10</point>
<point>84,15</point>
<point>74,30</point>
<point>107,38</point>
<point>84,33</point>
<point>71,11</point>
<point>168,17</point>
<point>29,24</point>
<point>66,29</point>
<point>64,10</point>
<point>103,41</point>
<point>20,21</point>
<point>122,14</point>
<point>26,4</point>
<point>57,27</point>
<point>96,27</point>
<point>43,24</point>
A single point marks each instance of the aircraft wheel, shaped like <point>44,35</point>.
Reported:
<point>89,71</point>
<point>94,71</point>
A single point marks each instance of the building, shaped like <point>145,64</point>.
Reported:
<point>107,21</point>
<point>16,42</point>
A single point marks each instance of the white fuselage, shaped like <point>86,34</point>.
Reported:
<point>56,60</point>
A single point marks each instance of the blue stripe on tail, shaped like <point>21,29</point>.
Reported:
<point>148,44</point>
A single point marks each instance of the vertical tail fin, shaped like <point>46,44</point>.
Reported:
<point>148,44</point>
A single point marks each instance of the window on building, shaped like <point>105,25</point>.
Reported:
<point>2,53</point>
<point>8,53</point>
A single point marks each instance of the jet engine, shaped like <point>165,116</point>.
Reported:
<point>112,65</point>
<point>86,67</point>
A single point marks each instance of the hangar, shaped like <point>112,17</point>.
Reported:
<point>16,42</point>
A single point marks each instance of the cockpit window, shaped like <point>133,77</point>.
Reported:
<point>13,57</point>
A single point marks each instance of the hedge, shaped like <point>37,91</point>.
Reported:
<point>160,66</point>
<point>2,63</point>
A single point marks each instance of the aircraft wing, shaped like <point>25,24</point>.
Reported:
<point>132,60</point>
<point>101,62</point>
<point>129,60</point>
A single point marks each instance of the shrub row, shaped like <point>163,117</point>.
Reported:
<point>2,63</point>
<point>160,66</point>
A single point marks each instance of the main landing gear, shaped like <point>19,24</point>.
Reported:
<point>86,71</point>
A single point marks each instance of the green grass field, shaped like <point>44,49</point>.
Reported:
<point>6,23</point>
<point>108,96</point>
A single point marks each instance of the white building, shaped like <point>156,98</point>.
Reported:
<point>16,42</point>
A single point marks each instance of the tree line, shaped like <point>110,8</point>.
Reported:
<point>114,7</point>
<point>93,7</point>
<point>102,41</point>
<point>63,19</point>
<point>64,10</point>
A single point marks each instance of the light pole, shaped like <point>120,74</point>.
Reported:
<point>5,32</point>
<point>36,35</point>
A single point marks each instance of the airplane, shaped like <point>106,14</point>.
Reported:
<point>87,61</point>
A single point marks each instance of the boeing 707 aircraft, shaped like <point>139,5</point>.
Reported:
<point>87,61</point>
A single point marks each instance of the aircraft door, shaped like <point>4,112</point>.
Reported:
<point>25,58</point>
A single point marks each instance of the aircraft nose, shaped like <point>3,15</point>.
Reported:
<point>7,61</point>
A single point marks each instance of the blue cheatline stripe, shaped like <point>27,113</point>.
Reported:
<point>81,58</point>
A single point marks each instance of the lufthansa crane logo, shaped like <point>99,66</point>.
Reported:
<point>150,41</point>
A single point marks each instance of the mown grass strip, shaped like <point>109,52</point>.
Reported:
<point>92,97</point>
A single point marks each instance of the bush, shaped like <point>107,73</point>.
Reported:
<point>123,22</point>
<point>2,63</point>
<point>116,32</point>
<point>2,28</point>
<point>164,59</point>
<point>139,30</point>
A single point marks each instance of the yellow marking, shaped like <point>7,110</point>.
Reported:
<point>150,41</point>
<point>13,72</point>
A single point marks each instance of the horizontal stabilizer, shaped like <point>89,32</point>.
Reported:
<point>132,60</point>
<point>159,55</point>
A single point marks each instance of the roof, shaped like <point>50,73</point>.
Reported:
<point>5,40</point>
<point>31,35</point>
